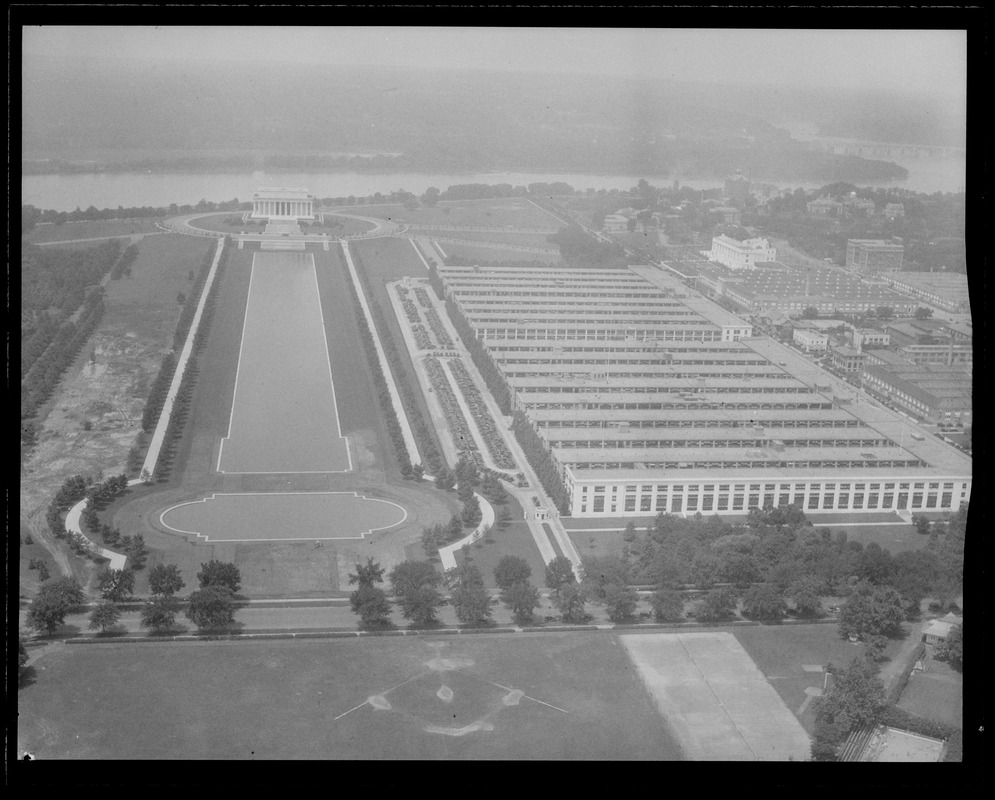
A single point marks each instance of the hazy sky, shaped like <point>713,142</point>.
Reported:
<point>920,60</point>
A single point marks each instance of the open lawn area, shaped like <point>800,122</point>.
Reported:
<point>508,212</point>
<point>474,255</point>
<point>539,696</point>
<point>90,230</point>
<point>514,540</point>
<point>789,656</point>
<point>937,694</point>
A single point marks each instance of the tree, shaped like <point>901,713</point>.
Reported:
<point>165,579</point>
<point>570,602</point>
<point>600,572</point>
<point>855,698</point>
<point>471,514</point>
<point>876,646</point>
<point>136,550</point>
<point>522,599</point>
<point>923,312</point>
<point>159,613</point>
<point>620,602</point>
<point>667,605</point>
<point>805,595</point>
<point>367,576</point>
<point>117,585</point>
<point>372,605</point>
<point>414,584</point>
<point>885,312</point>
<point>559,573</point>
<point>220,573</point>
<point>922,525</point>
<point>50,606</point>
<point>764,602</point>
<point>212,607</point>
<point>952,648</point>
<point>469,597</point>
<point>104,616</point>
<point>511,570</point>
<point>810,312</point>
<point>871,611</point>
<point>431,196</point>
<point>716,605</point>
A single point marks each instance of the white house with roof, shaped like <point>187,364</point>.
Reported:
<point>939,629</point>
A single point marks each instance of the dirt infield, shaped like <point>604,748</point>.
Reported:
<point>565,696</point>
<point>284,516</point>
<point>284,416</point>
<point>715,698</point>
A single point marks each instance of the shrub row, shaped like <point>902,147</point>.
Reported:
<point>123,264</point>
<point>435,323</point>
<point>482,416</point>
<point>158,392</point>
<point>426,444</point>
<point>895,717</point>
<point>38,383</point>
<point>380,384</point>
<point>190,306</point>
<point>458,426</point>
<point>541,461</point>
<point>483,360</point>
<point>182,403</point>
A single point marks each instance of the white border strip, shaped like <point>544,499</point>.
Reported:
<point>395,396</point>
<point>216,495</point>
<point>159,436</point>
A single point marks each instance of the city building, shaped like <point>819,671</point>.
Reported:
<point>651,398</point>
<point>871,256</point>
<point>282,204</point>
<point>741,255</point>
<point>616,223</point>
<point>932,393</point>
<point>810,339</point>
<point>948,354</point>
<point>829,291</point>
<point>943,290</point>
<point>847,359</point>
<point>937,631</point>
<point>868,337</point>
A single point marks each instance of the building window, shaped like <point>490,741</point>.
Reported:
<point>799,501</point>
<point>946,500</point>
<point>813,501</point>
<point>917,500</point>
<point>646,502</point>
<point>858,500</point>
<point>630,503</point>
<point>692,502</point>
<point>754,501</point>
<point>737,502</point>
<point>723,502</point>
<point>784,499</point>
<point>931,500</point>
<point>706,502</point>
<point>844,501</point>
<point>827,501</point>
<point>888,501</point>
<point>872,501</point>
<point>599,504</point>
<point>675,505</point>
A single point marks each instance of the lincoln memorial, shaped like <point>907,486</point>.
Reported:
<point>282,204</point>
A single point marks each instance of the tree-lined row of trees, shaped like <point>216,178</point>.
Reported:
<point>158,392</point>
<point>482,359</point>
<point>541,461</point>
<point>123,265</point>
<point>41,379</point>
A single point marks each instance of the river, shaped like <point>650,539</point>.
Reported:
<point>101,190</point>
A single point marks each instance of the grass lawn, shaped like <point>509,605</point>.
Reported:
<point>496,213</point>
<point>781,651</point>
<point>937,694</point>
<point>537,696</point>
<point>90,230</point>
<point>520,239</point>
<point>514,540</point>
<point>474,255</point>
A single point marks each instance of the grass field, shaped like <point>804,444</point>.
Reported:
<point>520,239</point>
<point>497,213</point>
<point>514,540</point>
<point>90,230</point>
<point>542,696</point>
<point>782,651</point>
<point>937,694</point>
<point>283,516</point>
<point>473,255</point>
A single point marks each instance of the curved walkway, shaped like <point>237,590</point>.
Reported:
<point>447,554</point>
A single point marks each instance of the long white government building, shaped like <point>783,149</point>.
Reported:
<point>653,398</point>
<point>282,204</point>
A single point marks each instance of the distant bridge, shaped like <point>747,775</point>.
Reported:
<point>889,150</point>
